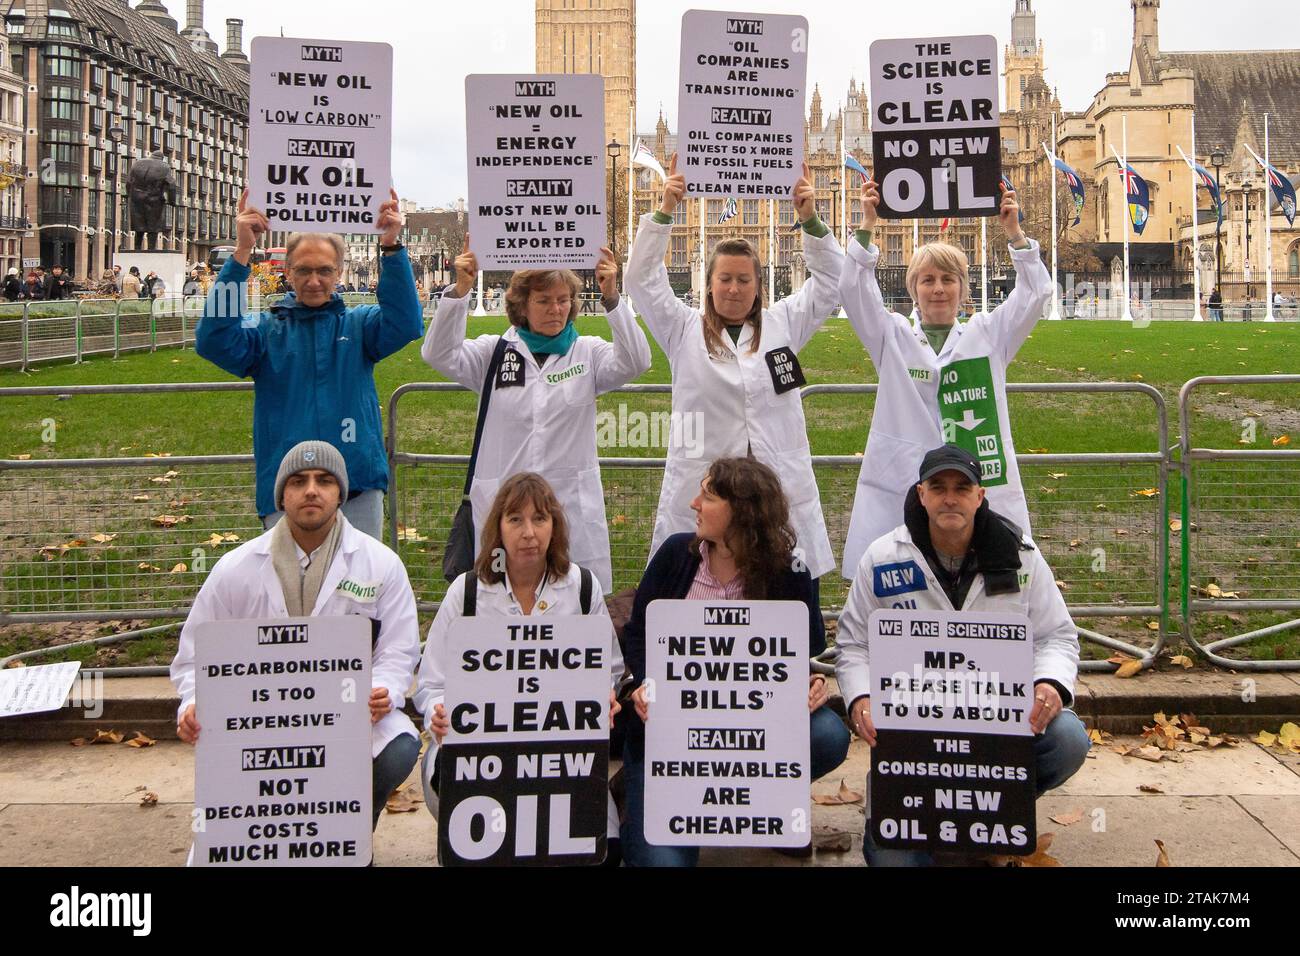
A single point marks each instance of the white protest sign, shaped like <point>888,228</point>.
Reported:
<point>282,772</point>
<point>740,103</point>
<point>527,756</point>
<point>35,690</point>
<point>935,136</point>
<point>320,133</point>
<point>536,146</point>
<point>726,742</point>
<point>953,766</point>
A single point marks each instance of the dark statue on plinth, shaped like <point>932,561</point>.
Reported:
<point>151,188</point>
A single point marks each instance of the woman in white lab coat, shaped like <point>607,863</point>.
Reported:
<point>735,366</point>
<point>940,381</point>
<point>542,413</point>
<point>527,524</point>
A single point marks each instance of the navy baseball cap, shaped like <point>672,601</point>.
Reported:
<point>950,458</point>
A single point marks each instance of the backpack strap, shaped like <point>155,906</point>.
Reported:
<point>584,590</point>
<point>485,396</point>
<point>471,594</point>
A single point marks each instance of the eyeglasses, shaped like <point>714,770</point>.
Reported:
<point>324,272</point>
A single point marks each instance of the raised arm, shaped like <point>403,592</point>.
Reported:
<point>619,362</point>
<point>397,319</point>
<point>646,277</point>
<point>221,337</point>
<point>445,347</point>
<point>1010,323</point>
<point>858,288</point>
<point>807,309</point>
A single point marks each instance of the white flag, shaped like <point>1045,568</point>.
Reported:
<point>641,156</point>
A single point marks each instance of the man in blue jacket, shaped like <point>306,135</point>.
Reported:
<point>311,358</point>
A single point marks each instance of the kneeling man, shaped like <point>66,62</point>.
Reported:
<point>973,559</point>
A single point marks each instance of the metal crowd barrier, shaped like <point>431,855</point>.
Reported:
<point>1240,525</point>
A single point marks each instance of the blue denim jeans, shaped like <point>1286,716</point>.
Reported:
<point>365,512</point>
<point>828,746</point>
<point>390,768</point>
<point>1059,752</point>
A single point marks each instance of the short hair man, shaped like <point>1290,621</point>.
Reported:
<point>312,359</point>
<point>972,559</point>
<point>309,565</point>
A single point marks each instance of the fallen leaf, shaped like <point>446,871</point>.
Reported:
<point>169,521</point>
<point>409,534</point>
<point>102,538</point>
<point>1040,856</point>
<point>23,457</point>
<point>1183,661</point>
<point>1047,491</point>
<point>1037,451</point>
<point>1175,525</point>
<point>1146,493</point>
<point>146,566</point>
<point>1099,507</point>
<point>1099,736</point>
<point>1153,625</point>
<point>1163,858</point>
<point>844,797</point>
<point>1067,819</point>
<point>140,740</point>
<point>1075,543</point>
<point>618,519</point>
<point>106,737</point>
<point>1121,532</point>
<point>1282,440</point>
<point>1128,669</point>
<point>1149,788</point>
<point>1063,585</point>
<point>78,741</point>
<point>1058,475</point>
<point>1148,752</point>
<point>1265,739</point>
<point>139,497</point>
<point>178,568</point>
<point>150,799</point>
<point>157,454</point>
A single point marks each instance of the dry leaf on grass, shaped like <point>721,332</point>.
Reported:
<point>106,737</point>
<point>150,799</point>
<point>1067,819</point>
<point>102,538</point>
<point>1282,440</point>
<point>169,521</point>
<point>1128,669</point>
<point>139,497</point>
<point>140,740</point>
<point>1163,858</point>
<point>1183,661</point>
<point>843,798</point>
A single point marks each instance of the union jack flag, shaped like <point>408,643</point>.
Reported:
<point>728,210</point>
<point>1284,191</point>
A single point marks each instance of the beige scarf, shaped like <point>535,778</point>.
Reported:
<point>301,588</point>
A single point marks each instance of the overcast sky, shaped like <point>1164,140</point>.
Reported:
<point>437,44</point>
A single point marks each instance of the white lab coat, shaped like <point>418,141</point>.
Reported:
<point>727,407</point>
<point>561,597</point>
<point>547,425</point>
<point>1056,639</point>
<point>243,584</point>
<point>907,421</point>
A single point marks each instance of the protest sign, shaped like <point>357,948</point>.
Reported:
<point>524,770</point>
<point>35,690</point>
<point>740,103</point>
<point>953,765</point>
<point>935,136</point>
<point>282,767</point>
<point>726,742</point>
<point>536,147</point>
<point>320,133</point>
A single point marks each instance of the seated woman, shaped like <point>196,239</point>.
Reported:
<point>528,526</point>
<point>742,549</point>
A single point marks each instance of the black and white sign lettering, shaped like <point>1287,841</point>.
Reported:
<point>525,767</point>
<point>36,689</point>
<point>282,766</point>
<point>934,126</point>
<point>741,103</point>
<point>320,133</point>
<point>536,148</point>
<point>953,766</point>
<point>726,742</point>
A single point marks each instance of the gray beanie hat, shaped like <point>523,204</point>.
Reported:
<point>311,454</point>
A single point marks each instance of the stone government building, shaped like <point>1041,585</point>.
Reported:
<point>95,69</point>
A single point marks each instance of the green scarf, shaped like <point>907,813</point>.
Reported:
<point>558,344</point>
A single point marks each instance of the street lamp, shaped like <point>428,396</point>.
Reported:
<point>1218,159</point>
<point>613,148</point>
<point>835,201</point>
<point>115,135</point>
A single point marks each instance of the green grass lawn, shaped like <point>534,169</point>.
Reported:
<point>1247,538</point>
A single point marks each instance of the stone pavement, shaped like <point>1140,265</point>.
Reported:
<point>80,806</point>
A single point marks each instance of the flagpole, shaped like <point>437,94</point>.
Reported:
<point>1051,178</point>
<point>1123,173</point>
<point>1268,232</point>
<point>1196,238</point>
<point>771,252</point>
<point>984,264</point>
<point>631,177</point>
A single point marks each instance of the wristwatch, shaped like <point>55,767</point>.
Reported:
<point>386,250</point>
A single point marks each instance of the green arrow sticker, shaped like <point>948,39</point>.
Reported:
<point>969,410</point>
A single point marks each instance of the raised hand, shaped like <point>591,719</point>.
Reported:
<point>805,204</point>
<point>1009,215</point>
<point>674,188</point>
<point>870,205</point>
<point>389,221</point>
<point>250,225</point>
<point>466,270</point>
<point>607,275</point>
